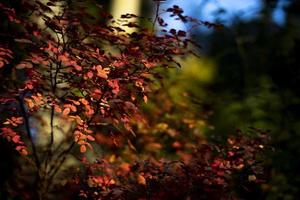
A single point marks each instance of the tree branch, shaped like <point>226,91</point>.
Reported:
<point>28,130</point>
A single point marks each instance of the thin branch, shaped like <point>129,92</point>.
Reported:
<point>156,14</point>
<point>54,170</point>
<point>28,130</point>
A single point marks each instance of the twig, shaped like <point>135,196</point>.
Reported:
<point>29,134</point>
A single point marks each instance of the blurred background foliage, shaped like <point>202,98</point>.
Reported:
<point>248,75</point>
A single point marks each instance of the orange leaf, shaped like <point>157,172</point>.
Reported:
<point>66,111</point>
<point>82,148</point>
<point>141,180</point>
<point>30,103</point>
<point>24,152</point>
<point>84,101</point>
<point>73,108</point>
<point>63,58</point>
<point>57,109</point>
<point>102,72</point>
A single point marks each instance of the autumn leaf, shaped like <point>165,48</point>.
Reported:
<point>1,63</point>
<point>91,138</point>
<point>145,98</point>
<point>57,109</point>
<point>89,110</point>
<point>22,150</point>
<point>63,58</point>
<point>73,108</point>
<point>141,180</point>
<point>90,74</point>
<point>82,148</point>
<point>29,86</point>
<point>24,65</point>
<point>84,101</point>
<point>102,73</point>
<point>66,111</point>
<point>114,84</point>
<point>5,54</point>
<point>78,68</point>
<point>14,121</point>
<point>29,103</point>
<point>77,103</point>
<point>16,139</point>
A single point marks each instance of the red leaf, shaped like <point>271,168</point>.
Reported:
<point>90,74</point>
<point>16,139</point>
